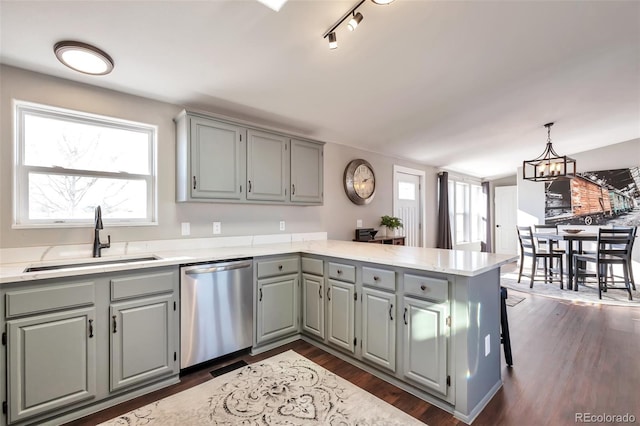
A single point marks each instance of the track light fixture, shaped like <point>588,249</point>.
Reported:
<point>355,20</point>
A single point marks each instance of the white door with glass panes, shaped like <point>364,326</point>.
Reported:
<point>407,204</point>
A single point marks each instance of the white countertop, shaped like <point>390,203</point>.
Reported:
<point>456,262</point>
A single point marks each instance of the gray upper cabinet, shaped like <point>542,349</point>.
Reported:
<point>210,159</point>
<point>267,166</point>
<point>51,362</point>
<point>306,172</point>
<point>226,162</point>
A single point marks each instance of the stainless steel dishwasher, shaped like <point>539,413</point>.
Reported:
<point>216,316</point>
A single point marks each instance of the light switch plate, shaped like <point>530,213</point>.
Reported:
<point>359,223</point>
<point>282,225</point>
<point>186,229</point>
<point>217,228</point>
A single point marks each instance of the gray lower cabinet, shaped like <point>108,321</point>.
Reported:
<point>142,345</point>
<point>379,327</point>
<point>77,341</point>
<point>277,299</point>
<point>313,304</point>
<point>267,166</point>
<point>341,314</point>
<point>51,362</point>
<point>426,331</point>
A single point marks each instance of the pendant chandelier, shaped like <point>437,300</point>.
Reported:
<point>549,165</point>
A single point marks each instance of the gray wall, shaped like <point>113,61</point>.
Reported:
<point>338,215</point>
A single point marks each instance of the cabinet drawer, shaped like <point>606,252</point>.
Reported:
<point>313,266</point>
<point>379,278</point>
<point>140,285</point>
<point>271,268</point>
<point>342,272</point>
<point>429,288</point>
<point>49,298</point>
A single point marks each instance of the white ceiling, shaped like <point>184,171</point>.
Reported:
<point>461,85</point>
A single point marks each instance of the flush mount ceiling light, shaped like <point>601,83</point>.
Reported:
<point>83,57</point>
<point>549,165</point>
<point>353,23</point>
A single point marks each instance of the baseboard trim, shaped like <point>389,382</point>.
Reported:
<point>468,419</point>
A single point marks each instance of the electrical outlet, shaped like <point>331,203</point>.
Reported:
<point>282,225</point>
<point>487,345</point>
<point>217,228</point>
<point>359,223</point>
<point>186,229</point>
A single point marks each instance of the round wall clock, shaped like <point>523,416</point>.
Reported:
<point>359,181</point>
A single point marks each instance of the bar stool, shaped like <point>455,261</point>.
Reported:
<point>505,338</point>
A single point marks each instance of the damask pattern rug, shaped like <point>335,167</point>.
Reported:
<point>286,389</point>
<point>586,294</point>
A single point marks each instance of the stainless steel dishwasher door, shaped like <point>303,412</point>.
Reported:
<point>216,302</point>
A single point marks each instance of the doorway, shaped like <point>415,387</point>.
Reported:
<point>506,215</point>
<point>408,203</point>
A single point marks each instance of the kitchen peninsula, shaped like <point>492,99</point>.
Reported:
<point>437,309</point>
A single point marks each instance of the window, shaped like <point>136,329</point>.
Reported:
<point>467,210</point>
<point>69,162</point>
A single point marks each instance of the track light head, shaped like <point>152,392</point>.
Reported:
<point>354,21</point>
<point>333,41</point>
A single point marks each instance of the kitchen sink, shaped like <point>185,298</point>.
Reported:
<point>89,264</point>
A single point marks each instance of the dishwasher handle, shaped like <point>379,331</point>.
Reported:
<point>209,269</point>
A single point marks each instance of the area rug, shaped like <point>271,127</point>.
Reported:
<point>587,294</point>
<point>286,389</point>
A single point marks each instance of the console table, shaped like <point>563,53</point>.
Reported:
<point>396,241</point>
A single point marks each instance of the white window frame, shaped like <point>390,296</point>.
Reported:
<point>21,171</point>
<point>468,217</point>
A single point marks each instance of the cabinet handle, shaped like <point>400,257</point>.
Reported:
<point>376,278</point>
<point>90,328</point>
<point>240,188</point>
<point>339,271</point>
<point>329,294</point>
<point>405,317</point>
<point>320,292</point>
<point>390,314</point>
<point>423,287</point>
<point>115,325</point>
<point>293,189</point>
<point>194,182</point>
<point>249,187</point>
<point>260,296</point>
<point>279,267</point>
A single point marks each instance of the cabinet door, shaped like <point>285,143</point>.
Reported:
<point>142,340</point>
<point>306,172</point>
<point>425,343</point>
<point>51,362</point>
<point>277,307</point>
<point>217,161</point>
<point>341,314</point>
<point>267,166</point>
<point>313,305</point>
<point>379,327</point>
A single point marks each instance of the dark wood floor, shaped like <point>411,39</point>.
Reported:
<point>568,358</point>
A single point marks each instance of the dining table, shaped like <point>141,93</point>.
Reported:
<point>573,239</point>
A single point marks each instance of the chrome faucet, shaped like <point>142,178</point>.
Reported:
<point>97,245</point>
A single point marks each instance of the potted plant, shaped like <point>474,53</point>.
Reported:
<point>392,225</point>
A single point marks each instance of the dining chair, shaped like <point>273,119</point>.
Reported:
<point>542,243</point>
<point>528,249</point>
<point>613,248</point>
<point>629,264</point>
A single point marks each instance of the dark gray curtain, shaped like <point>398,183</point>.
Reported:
<point>486,244</point>
<point>444,226</point>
